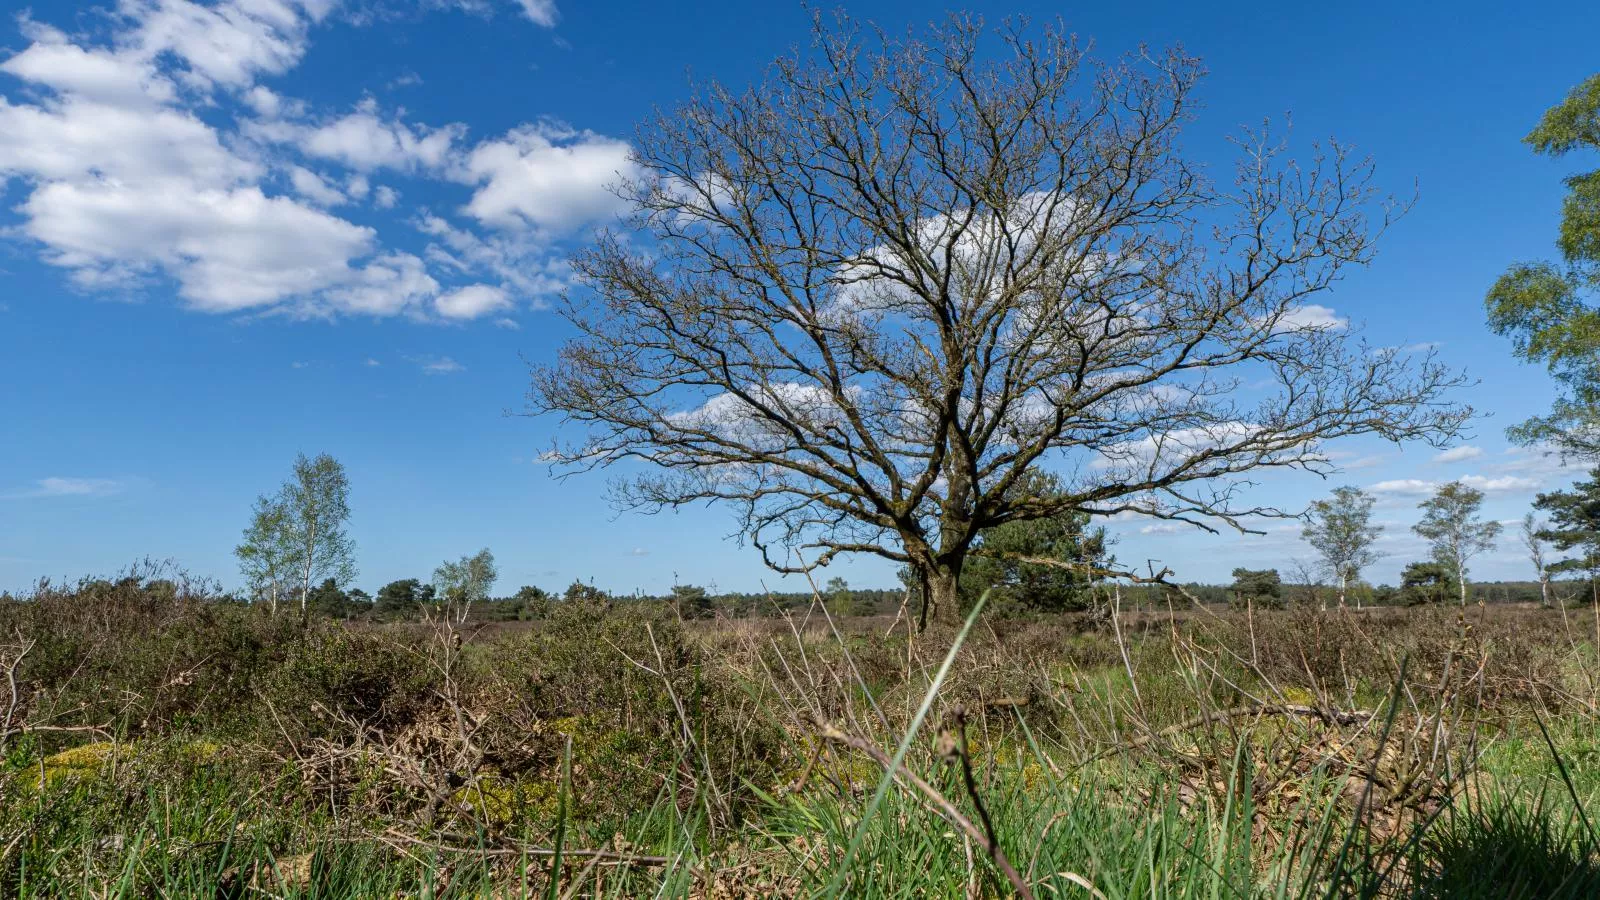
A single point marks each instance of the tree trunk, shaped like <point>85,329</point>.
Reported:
<point>305,585</point>
<point>1461,583</point>
<point>1343,582</point>
<point>1544,591</point>
<point>941,594</point>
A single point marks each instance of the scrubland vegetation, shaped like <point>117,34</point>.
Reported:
<point>950,308</point>
<point>158,742</point>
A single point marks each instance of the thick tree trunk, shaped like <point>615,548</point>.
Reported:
<point>941,594</point>
<point>944,593</point>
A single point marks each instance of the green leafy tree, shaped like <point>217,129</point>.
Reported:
<point>580,593</point>
<point>401,599</point>
<point>316,499</point>
<point>1450,523</point>
<point>296,536</point>
<point>1575,526</point>
<point>328,599</point>
<point>1340,529</point>
<point>691,601</point>
<point>464,582</point>
<point>1426,583</point>
<point>1257,586</point>
<point>1046,565</point>
<point>1551,310</point>
<point>267,554</point>
<point>837,594</point>
<point>530,602</point>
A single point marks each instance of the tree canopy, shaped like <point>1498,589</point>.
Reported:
<point>1451,525</point>
<point>862,300</point>
<point>1551,310</point>
<point>1340,529</point>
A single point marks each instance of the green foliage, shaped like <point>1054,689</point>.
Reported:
<point>401,599</point>
<point>1427,583</point>
<point>691,601</point>
<point>840,599</point>
<point>1575,520</point>
<point>1340,529</point>
<point>1450,523</point>
<point>466,581</point>
<point>1548,310</point>
<point>994,566</point>
<point>1262,587</point>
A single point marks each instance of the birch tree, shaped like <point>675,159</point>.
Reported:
<point>267,555</point>
<point>1533,541</point>
<point>861,300</point>
<point>1450,523</point>
<point>1340,529</point>
<point>464,582</point>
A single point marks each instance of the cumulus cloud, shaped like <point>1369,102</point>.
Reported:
<point>314,187</point>
<point>1404,487</point>
<point>1505,484</point>
<point>545,177</point>
<point>135,177</point>
<point>471,302</point>
<point>1458,454</point>
<point>365,140</point>
<point>1313,317</point>
<point>540,12</point>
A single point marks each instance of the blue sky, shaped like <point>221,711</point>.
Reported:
<point>230,233</point>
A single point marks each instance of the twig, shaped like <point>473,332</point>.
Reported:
<point>943,804</point>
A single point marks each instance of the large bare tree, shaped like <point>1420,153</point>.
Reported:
<point>862,299</point>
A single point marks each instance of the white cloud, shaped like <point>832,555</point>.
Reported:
<point>540,12</point>
<point>471,302</point>
<point>1458,454</point>
<point>638,551</point>
<point>395,283</point>
<point>1418,487</point>
<point>1404,487</point>
<point>58,486</point>
<point>81,139</point>
<point>1161,528</point>
<point>516,259</point>
<point>1506,484</point>
<point>365,141</point>
<point>265,103</point>
<point>372,362</point>
<point>94,74</point>
<point>314,187</point>
<point>507,323</point>
<point>1312,316</point>
<point>549,178</point>
<point>230,43</point>
<point>442,365</point>
<point>133,174</point>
